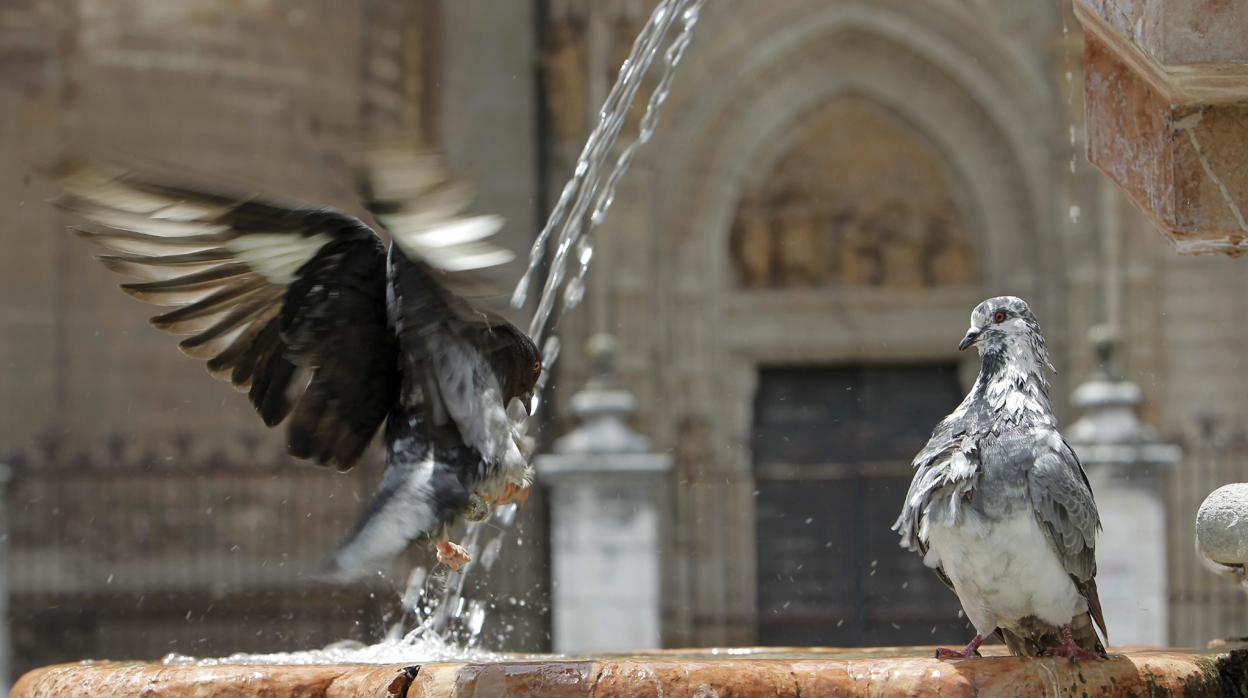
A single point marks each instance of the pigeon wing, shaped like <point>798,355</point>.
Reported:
<point>1063,502</point>
<point>946,470</point>
<point>283,301</point>
<point>439,271</point>
<point>460,358</point>
<point>455,358</point>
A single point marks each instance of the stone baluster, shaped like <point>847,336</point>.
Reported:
<point>605,521</point>
<point>1125,464</point>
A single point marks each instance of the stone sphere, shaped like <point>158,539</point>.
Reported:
<point>1222,525</point>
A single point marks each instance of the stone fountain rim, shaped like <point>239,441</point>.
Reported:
<point>749,671</point>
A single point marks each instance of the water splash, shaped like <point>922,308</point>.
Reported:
<point>428,648</point>
<point>594,181</point>
<point>448,626</point>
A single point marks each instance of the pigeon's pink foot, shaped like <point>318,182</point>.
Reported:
<point>971,650</point>
<point>1070,649</point>
<point>511,493</point>
<point>452,555</point>
<point>515,493</point>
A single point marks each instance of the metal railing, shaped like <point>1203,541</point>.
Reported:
<point>1203,606</point>
<point>137,552</point>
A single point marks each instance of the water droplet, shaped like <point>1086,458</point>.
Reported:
<point>476,618</point>
<point>574,292</point>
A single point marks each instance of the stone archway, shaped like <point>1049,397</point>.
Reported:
<point>735,110</point>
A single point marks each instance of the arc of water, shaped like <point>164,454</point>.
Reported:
<point>675,52</point>
<point>568,215</point>
<point>589,183</point>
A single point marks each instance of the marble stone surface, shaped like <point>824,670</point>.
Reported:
<point>1172,135</point>
<point>740,672</point>
<point>605,544</point>
<point>1180,32</point>
<point>1222,525</point>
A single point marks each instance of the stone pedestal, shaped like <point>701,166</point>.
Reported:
<point>605,522</point>
<point>1166,100</point>
<point>1124,463</point>
<point>605,546</point>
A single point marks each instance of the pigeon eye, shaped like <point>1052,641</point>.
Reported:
<point>537,366</point>
<point>999,317</point>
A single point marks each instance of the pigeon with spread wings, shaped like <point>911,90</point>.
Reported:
<point>333,333</point>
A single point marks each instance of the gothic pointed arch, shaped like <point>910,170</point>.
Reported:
<point>859,198</point>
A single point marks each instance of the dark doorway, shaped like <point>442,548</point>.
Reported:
<point>832,450</point>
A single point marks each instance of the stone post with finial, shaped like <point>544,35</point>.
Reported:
<point>606,519</point>
<point>1125,464</point>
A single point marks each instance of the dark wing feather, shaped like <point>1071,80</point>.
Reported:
<point>313,327</point>
<point>446,342</point>
<point>267,291</point>
<point>1087,587</point>
<point>438,269</point>
<point>1062,499</point>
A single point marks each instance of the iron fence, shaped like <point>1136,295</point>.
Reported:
<point>1203,606</point>
<point>180,547</point>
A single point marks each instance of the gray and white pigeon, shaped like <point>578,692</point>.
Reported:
<point>327,329</point>
<point>999,505</point>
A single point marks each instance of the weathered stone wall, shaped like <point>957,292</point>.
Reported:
<point>132,494</point>
<point>691,343</point>
<point>996,88</point>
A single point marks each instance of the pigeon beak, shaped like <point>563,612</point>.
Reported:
<point>971,335</point>
<point>527,401</point>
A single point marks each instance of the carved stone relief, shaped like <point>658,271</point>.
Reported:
<point>858,199</point>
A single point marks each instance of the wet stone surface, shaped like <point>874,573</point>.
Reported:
<point>677,673</point>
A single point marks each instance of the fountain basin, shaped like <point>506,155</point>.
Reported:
<point>736,672</point>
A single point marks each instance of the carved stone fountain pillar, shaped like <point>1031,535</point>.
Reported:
<point>1166,96</point>
<point>605,521</point>
<point>1125,464</point>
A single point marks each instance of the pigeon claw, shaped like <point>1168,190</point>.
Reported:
<point>1070,649</point>
<point>515,493</point>
<point>511,493</point>
<point>971,650</point>
<point>452,555</point>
